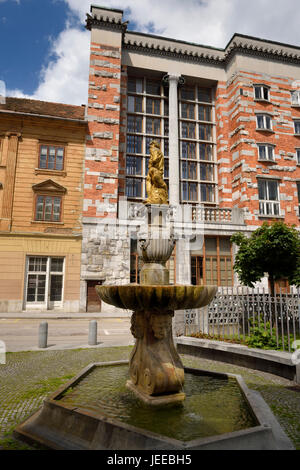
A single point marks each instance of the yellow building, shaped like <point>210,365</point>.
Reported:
<point>42,149</point>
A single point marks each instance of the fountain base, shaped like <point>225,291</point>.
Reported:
<point>95,411</point>
<point>159,400</point>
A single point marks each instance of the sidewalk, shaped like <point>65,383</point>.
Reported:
<point>64,315</point>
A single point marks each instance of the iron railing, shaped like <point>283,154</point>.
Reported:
<point>235,312</point>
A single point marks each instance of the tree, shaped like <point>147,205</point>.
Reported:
<point>274,249</point>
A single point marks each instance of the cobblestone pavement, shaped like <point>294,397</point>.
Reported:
<point>28,378</point>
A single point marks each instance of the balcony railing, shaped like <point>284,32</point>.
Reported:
<point>218,215</point>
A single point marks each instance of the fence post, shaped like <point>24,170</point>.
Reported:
<point>93,333</point>
<point>43,335</point>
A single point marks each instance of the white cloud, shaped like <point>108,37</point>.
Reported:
<point>65,78</point>
<point>210,22</point>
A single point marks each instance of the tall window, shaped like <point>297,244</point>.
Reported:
<point>44,280</point>
<point>51,158</point>
<point>268,194</point>
<point>48,208</point>
<point>197,162</point>
<point>214,266</point>
<point>147,119</point>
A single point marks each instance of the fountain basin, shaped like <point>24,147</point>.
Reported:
<point>156,297</point>
<point>82,415</point>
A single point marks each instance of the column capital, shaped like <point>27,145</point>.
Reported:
<point>173,77</point>
<point>13,134</point>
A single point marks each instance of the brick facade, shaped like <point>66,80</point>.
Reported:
<point>242,173</point>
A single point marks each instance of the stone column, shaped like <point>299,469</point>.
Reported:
<point>174,187</point>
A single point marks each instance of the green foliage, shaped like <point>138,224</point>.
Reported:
<point>262,336</point>
<point>273,249</point>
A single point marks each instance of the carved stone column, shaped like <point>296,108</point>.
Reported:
<point>174,186</point>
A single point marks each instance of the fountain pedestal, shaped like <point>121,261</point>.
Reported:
<point>156,371</point>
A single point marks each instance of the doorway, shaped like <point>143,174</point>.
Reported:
<point>93,302</point>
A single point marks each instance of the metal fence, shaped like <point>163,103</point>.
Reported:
<point>236,312</point>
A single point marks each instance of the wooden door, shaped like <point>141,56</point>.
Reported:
<point>93,303</point>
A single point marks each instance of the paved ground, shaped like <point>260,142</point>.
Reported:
<point>28,377</point>
<point>21,334</point>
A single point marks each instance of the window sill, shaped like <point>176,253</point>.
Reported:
<point>266,130</point>
<point>44,171</point>
<point>297,135</point>
<point>46,222</point>
<point>262,100</point>
<point>267,161</point>
<point>262,216</point>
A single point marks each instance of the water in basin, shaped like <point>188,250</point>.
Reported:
<point>213,405</point>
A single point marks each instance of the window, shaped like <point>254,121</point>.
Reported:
<point>214,266</point>
<point>298,190</point>
<point>264,122</point>
<point>189,191</point>
<point>261,92</point>
<point>133,187</point>
<point>189,170</point>
<point>297,127</point>
<point>51,157</point>
<point>188,130</point>
<point>266,152</point>
<point>44,280</point>
<point>135,104</point>
<point>298,156</point>
<point>295,95</point>
<point>268,194</point>
<point>147,111</point>
<point>133,165</point>
<point>48,208</point>
<point>205,132</point>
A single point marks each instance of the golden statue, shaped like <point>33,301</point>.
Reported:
<point>157,189</point>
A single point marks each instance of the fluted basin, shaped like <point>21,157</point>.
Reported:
<point>156,298</point>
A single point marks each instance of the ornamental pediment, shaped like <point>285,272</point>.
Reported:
<point>49,186</point>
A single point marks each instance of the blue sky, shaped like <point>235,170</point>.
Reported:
<point>44,46</point>
<point>26,29</point>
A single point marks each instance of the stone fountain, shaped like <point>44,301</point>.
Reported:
<point>156,371</point>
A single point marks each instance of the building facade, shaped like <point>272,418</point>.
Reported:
<point>228,123</point>
<point>42,150</point>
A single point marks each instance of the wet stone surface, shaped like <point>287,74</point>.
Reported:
<point>29,377</point>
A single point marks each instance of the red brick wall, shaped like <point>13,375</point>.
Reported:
<point>237,136</point>
<point>102,155</point>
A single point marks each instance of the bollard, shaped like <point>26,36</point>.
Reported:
<point>93,333</point>
<point>43,334</point>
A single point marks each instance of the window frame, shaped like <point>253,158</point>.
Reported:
<point>267,203</point>
<point>264,128</point>
<point>56,147</point>
<point>267,148</point>
<point>53,197</point>
<point>296,122</point>
<point>296,102</point>
<point>262,88</point>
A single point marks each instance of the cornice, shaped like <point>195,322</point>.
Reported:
<point>178,53</point>
<point>255,47</point>
<point>105,22</point>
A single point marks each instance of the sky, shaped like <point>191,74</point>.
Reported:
<point>44,46</point>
